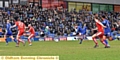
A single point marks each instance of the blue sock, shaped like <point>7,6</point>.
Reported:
<point>6,41</point>
<point>106,41</point>
<point>113,38</point>
<point>15,41</point>
<point>81,41</point>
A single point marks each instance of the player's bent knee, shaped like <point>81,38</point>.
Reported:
<point>93,36</point>
<point>110,39</point>
<point>104,38</point>
<point>17,38</point>
<point>101,40</point>
<point>29,37</point>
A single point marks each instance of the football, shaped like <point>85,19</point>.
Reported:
<point>56,40</point>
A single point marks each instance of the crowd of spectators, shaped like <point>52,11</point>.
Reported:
<point>59,22</point>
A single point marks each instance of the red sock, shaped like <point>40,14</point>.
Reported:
<point>18,42</point>
<point>95,41</point>
<point>29,41</point>
<point>21,41</point>
<point>103,42</point>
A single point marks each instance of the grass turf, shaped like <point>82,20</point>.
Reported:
<point>66,50</point>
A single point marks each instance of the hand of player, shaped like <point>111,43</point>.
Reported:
<point>13,26</point>
<point>26,27</point>
<point>93,29</point>
<point>27,31</point>
<point>104,26</point>
<point>25,34</point>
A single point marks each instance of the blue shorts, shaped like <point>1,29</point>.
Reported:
<point>9,34</point>
<point>83,33</point>
<point>108,34</point>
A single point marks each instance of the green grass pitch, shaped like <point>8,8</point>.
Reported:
<point>66,50</point>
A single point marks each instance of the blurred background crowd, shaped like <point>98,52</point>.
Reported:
<point>57,21</point>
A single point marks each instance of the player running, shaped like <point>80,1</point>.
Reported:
<point>32,34</point>
<point>100,33</point>
<point>21,30</point>
<point>8,33</point>
<point>107,30</point>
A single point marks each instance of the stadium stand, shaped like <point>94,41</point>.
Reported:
<point>57,24</point>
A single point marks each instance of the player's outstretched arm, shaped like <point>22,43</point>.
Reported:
<point>96,20</point>
<point>13,26</point>
<point>95,29</point>
<point>26,29</point>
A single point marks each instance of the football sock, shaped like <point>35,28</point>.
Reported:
<point>81,41</point>
<point>21,41</point>
<point>103,42</point>
<point>29,41</point>
<point>112,37</point>
<point>6,41</point>
<point>95,41</point>
<point>15,41</point>
<point>106,42</point>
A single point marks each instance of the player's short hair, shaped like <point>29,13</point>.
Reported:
<point>95,15</point>
<point>103,16</point>
<point>16,18</point>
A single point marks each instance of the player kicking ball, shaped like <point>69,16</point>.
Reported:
<point>21,30</point>
<point>79,33</point>
<point>31,35</point>
<point>100,33</point>
<point>8,33</point>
